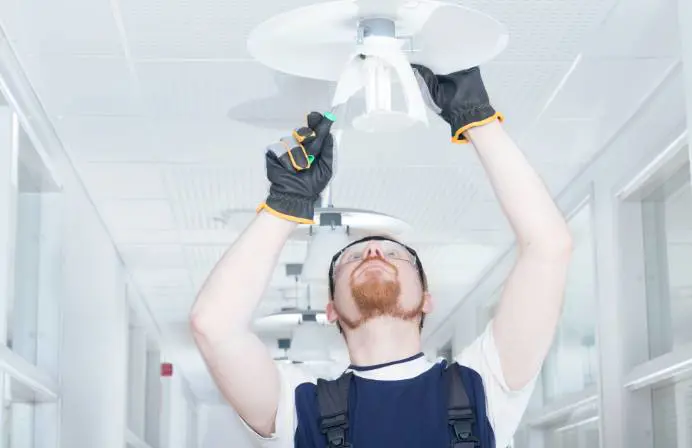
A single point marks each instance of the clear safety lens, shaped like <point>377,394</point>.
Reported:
<point>390,249</point>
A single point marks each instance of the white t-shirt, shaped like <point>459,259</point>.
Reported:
<point>505,407</point>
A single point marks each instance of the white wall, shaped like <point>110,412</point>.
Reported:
<point>93,359</point>
<point>94,347</point>
<point>220,427</point>
<point>179,414</point>
<point>91,293</point>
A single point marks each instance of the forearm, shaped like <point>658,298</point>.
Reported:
<point>536,220</point>
<point>231,293</point>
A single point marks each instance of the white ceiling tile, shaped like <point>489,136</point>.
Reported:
<point>165,296</point>
<point>607,89</point>
<point>294,252</point>
<point>520,90</point>
<point>176,314</point>
<point>83,85</point>
<point>203,29</point>
<point>638,29</point>
<point>482,216</point>
<point>129,139</point>
<point>497,237</point>
<point>171,309</point>
<point>202,258</point>
<point>123,181</point>
<point>206,237</point>
<point>591,107</point>
<point>217,140</point>
<point>562,142</point>
<point>170,278</point>
<point>542,30</point>
<point>430,199</point>
<point>198,89</point>
<point>455,264</point>
<point>122,235</point>
<point>145,214</point>
<point>151,256</point>
<point>57,29</point>
<point>441,256</point>
<point>200,194</point>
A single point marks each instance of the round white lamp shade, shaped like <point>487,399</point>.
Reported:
<point>318,41</point>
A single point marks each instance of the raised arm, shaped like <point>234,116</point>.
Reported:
<point>221,316</point>
<point>531,301</point>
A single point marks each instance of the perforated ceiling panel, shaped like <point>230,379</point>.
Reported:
<point>545,30</point>
<point>141,94</point>
<point>187,29</point>
<point>201,194</point>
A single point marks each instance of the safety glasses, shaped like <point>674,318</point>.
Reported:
<point>391,249</point>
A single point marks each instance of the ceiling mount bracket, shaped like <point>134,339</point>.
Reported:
<point>375,27</point>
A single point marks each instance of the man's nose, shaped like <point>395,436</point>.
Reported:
<point>373,250</point>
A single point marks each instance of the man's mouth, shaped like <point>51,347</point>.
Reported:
<point>374,263</point>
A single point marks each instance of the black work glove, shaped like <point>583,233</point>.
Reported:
<point>459,98</point>
<point>299,167</point>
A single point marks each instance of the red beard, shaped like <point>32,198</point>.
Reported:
<point>377,296</point>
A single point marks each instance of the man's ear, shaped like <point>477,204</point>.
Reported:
<point>332,316</point>
<point>427,303</point>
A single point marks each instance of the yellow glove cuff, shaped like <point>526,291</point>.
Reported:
<point>278,214</point>
<point>459,137</point>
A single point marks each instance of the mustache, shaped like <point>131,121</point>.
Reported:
<point>375,258</point>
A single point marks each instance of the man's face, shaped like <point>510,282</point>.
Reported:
<point>376,278</point>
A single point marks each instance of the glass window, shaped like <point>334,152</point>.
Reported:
<point>29,417</point>
<point>672,414</point>
<point>584,434</point>
<point>571,365</point>
<point>29,395</point>
<point>667,233</point>
<point>36,258</point>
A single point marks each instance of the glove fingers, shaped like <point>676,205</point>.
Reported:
<point>322,127</point>
<point>290,153</point>
<point>304,136</point>
<point>313,119</point>
<point>298,151</point>
<point>327,153</point>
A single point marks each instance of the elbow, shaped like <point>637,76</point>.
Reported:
<point>555,244</point>
<point>202,321</point>
<point>198,322</point>
<point>209,323</point>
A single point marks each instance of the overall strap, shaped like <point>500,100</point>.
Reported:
<point>460,413</point>
<point>332,398</point>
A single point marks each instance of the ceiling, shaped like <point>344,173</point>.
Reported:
<point>140,93</point>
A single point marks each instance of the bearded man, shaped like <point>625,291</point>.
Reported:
<point>390,396</point>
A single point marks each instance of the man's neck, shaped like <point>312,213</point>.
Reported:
<point>383,340</point>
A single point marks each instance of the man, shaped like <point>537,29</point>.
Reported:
<point>380,296</point>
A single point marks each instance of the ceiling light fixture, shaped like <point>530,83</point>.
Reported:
<point>362,43</point>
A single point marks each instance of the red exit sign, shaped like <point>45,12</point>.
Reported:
<point>166,369</point>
